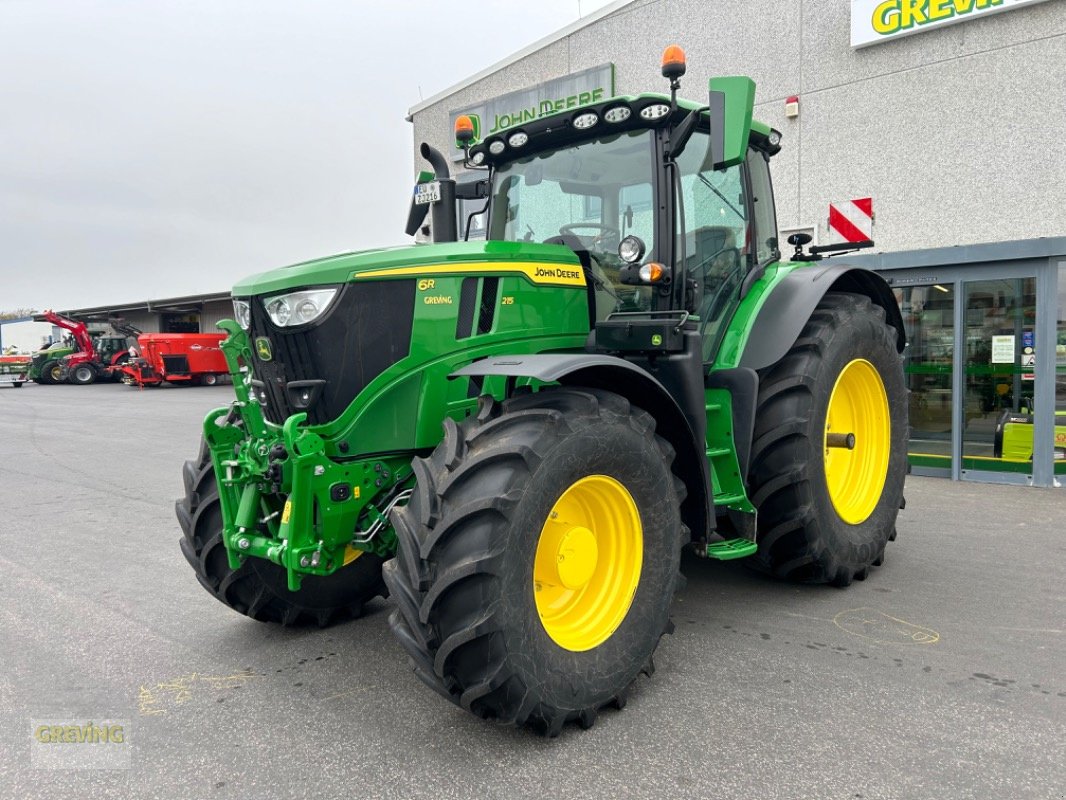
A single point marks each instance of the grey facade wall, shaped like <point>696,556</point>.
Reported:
<point>957,133</point>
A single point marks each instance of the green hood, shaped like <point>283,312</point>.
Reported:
<point>340,268</point>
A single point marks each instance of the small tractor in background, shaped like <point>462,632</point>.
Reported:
<point>517,437</point>
<point>191,359</point>
<point>44,364</point>
<point>93,358</point>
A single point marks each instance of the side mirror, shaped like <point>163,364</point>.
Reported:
<point>731,102</point>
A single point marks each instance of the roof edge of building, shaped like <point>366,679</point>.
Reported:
<point>1010,249</point>
<point>147,305</point>
<point>540,44</point>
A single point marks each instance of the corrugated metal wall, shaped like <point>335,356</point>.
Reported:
<point>212,313</point>
<point>147,321</point>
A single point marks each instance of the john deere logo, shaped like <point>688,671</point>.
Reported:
<point>656,340</point>
<point>262,348</point>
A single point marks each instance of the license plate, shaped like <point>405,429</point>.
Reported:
<point>426,193</point>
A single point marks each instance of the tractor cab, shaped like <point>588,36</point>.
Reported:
<point>109,346</point>
<point>668,215</point>
<point>627,210</point>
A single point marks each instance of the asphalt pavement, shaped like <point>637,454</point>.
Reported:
<point>940,676</point>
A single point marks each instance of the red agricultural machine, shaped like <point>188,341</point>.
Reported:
<point>94,358</point>
<point>180,358</point>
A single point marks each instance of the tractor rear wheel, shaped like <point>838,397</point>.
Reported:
<point>258,588</point>
<point>49,373</point>
<point>538,557</point>
<point>82,375</point>
<point>829,455</point>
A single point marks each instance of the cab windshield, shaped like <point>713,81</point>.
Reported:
<point>586,197</point>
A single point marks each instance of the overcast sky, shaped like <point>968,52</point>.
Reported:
<point>154,148</point>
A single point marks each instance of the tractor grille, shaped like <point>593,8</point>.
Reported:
<point>365,331</point>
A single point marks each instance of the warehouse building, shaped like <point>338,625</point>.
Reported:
<point>936,124</point>
<point>189,314</point>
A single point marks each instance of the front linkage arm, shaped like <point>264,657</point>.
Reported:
<point>282,498</point>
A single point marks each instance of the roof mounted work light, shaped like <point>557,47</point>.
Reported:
<point>673,63</point>
<point>464,129</point>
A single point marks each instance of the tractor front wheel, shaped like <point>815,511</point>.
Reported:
<point>538,557</point>
<point>829,455</point>
<point>82,375</point>
<point>258,588</point>
<point>50,373</point>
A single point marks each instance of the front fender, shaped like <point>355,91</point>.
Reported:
<point>642,389</point>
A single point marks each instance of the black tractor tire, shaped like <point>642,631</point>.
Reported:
<point>82,375</point>
<point>467,542</point>
<point>801,535</point>
<point>49,373</point>
<point>258,587</point>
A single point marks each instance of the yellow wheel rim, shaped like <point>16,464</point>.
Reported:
<point>859,406</point>
<point>587,565</point>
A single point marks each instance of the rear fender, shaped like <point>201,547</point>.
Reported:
<point>793,300</point>
<point>640,388</point>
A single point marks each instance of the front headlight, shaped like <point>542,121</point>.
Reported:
<point>298,308</point>
<point>242,311</point>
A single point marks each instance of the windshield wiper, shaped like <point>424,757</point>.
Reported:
<point>714,189</point>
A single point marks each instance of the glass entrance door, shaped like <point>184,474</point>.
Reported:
<point>929,319</point>
<point>1000,375</point>
<point>1060,374</point>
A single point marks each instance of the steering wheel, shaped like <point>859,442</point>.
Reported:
<point>605,231</point>
<point>704,267</point>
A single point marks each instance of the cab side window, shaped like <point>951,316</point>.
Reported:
<point>762,198</point>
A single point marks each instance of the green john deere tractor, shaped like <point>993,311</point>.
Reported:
<point>516,437</point>
<point>44,365</point>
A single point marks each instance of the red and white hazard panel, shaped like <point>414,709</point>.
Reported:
<point>851,220</point>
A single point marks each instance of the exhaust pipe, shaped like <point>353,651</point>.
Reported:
<point>445,227</point>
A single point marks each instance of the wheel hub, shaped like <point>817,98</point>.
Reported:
<point>587,564</point>
<point>857,441</point>
<point>576,556</point>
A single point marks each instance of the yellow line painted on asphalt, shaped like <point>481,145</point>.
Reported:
<point>158,699</point>
<point>869,623</point>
